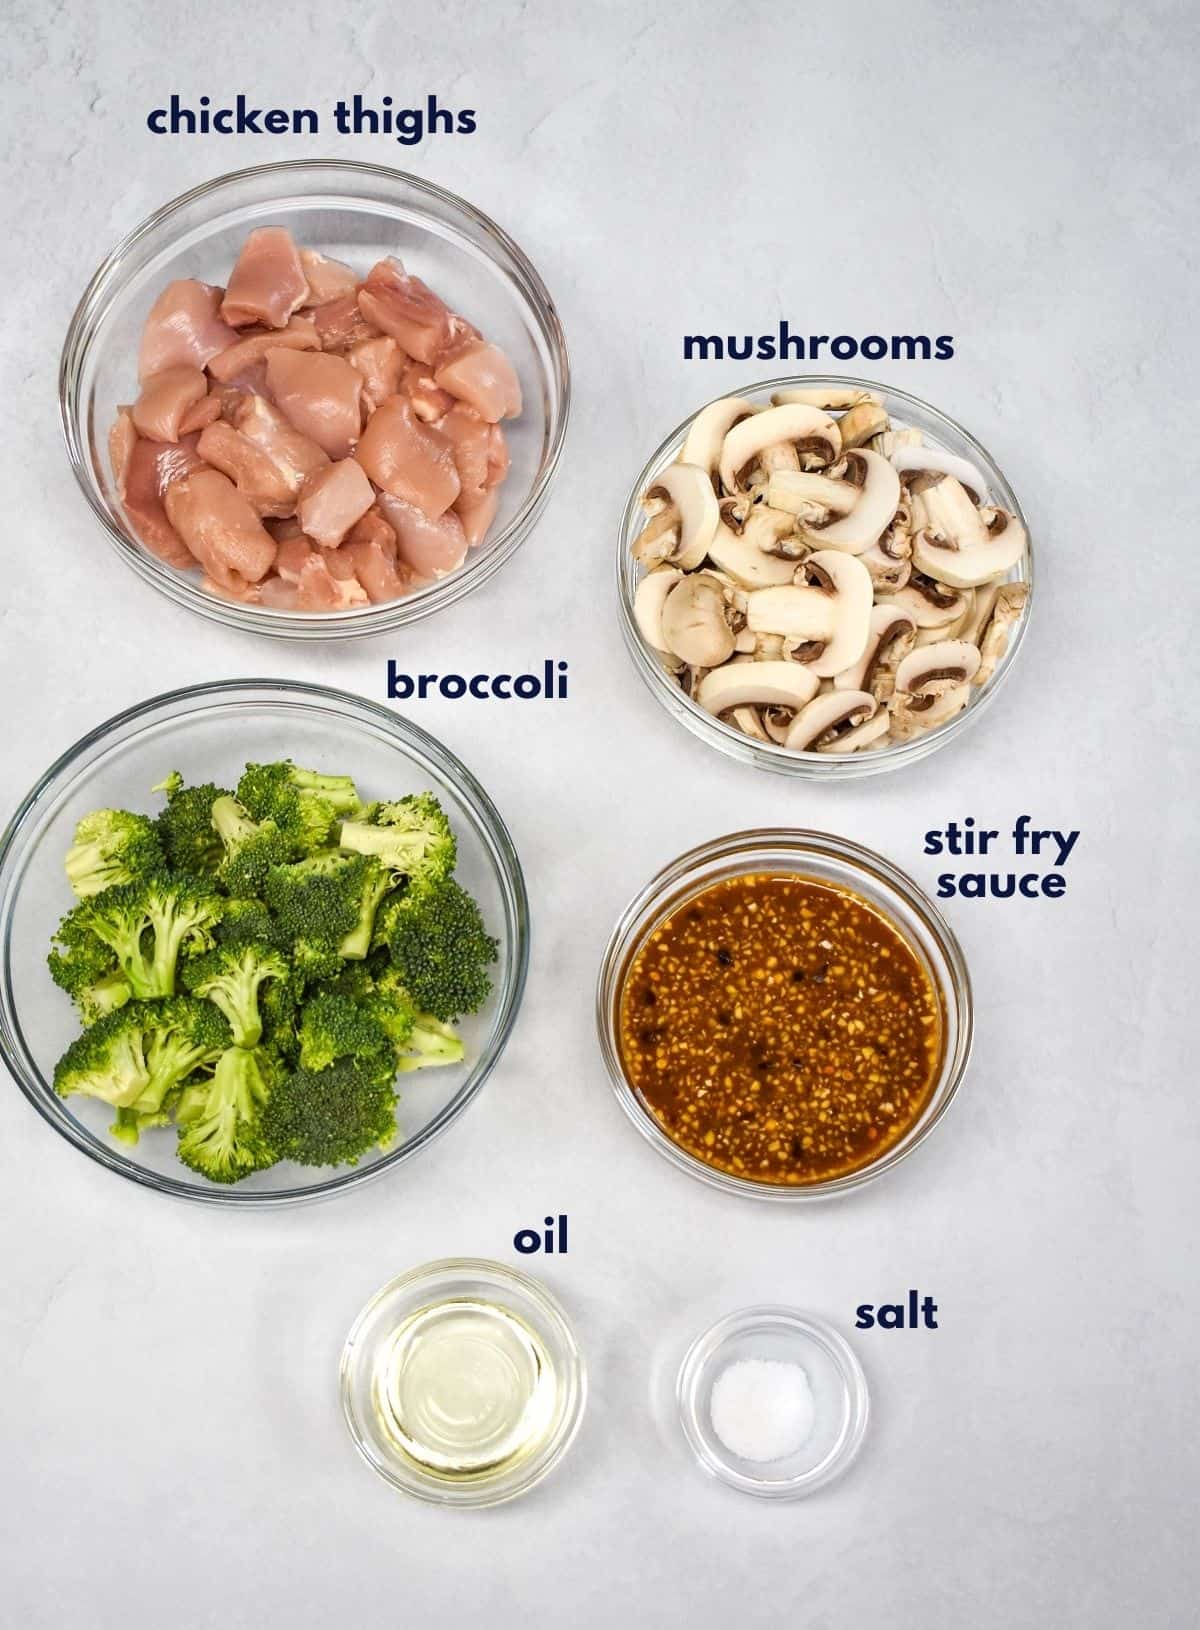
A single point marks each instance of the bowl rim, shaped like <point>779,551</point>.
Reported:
<point>772,756</point>
<point>626,936</point>
<point>357,622</point>
<point>704,1351</point>
<point>504,857</point>
<point>444,1272</point>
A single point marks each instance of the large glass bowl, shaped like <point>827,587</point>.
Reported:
<point>357,213</point>
<point>837,863</point>
<point>939,431</point>
<point>208,732</point>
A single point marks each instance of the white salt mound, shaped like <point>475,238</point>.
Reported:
<point>762,1409</point>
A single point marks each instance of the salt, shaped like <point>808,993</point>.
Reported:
<point>762,1409</point>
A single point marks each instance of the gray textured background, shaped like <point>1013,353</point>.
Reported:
<point>1020,176</point>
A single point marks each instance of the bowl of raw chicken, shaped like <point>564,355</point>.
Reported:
<point>315,400</point>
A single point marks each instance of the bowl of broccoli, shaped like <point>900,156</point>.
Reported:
<point>248,978</point>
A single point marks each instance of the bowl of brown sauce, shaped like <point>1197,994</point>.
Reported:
<point>784,1014</point>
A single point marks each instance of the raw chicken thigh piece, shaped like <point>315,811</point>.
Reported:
<point>277,593</point>
<point>320,395</point>
<point>296,456</point>
<point>376,565</point>
<point>267,283</point>
<point>255,474</point>
<point>470,440</point>
<point>205,412</point>
<point>318,590</point>
<point>477,511</point>
<point>341,324</point>
<point>483,377</point>
<point>408,459</point>
<point>429,401</point>
<point>432,547</point>
<point>332,500</point>
<point>299,335</point>
<point>122,439</point>
<point>165,398</point>
<point>292,553</point>
<point>219,526</point>
<point>327,279</point>
<point>405,308</point>
<point>498,459</point>
<point>142,488</point>
<point>183,328</point>
<point>381,363</point>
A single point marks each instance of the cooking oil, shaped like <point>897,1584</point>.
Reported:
<point>465,1388</point>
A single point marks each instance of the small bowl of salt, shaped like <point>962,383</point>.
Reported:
<point>773,1402</point>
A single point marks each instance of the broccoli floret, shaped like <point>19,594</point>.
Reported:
<point>112,846</point>
<point>279,1006</point>
<point>412,838</point>
<point>131,1123</point>
<point>147,925</point>
<point>333,1026</point>
<point>251,847</point>
<point>431,1043</point>
<point>326,906</point>
<point>305,806</point>
<point>105,996</point>
<point>248,922</point>
<point>78,961</point>
<point>134,1057</point>
<point>220,1121</point>
<point>330,1117</point>
<point>185,825</point>
<point>441,949</point>
<point>232,977</point>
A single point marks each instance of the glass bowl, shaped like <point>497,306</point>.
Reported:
<point>471,1281</point>
<point>354,212</point>
<point>208,732</point>
<point>839,1389</point>
<point>841,864</point>
<point>906,410</point>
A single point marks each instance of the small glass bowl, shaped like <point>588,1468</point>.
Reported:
<point>469,1279</point>
<point>357,213</point>
<point>841,864</point>
<point>839,1388</point>
<point>208,732</point>
<point>906,410</point>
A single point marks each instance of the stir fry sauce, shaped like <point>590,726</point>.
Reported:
<point>781,1029</point>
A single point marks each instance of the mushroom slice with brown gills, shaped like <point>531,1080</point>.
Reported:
<point>810,430</point>
<point>891,636</point>
<point>929,604</point>
<point>1004,613</point>
<point>702,444</point>
<point>874,509</point>
<point>648,601</point>
<point>932,684</point>
<point>834,713</point>
<point>742,555</point>
<point>907,458</point>
<point>757,684</point>
<point>835,396</point>
<point>829,607</point>
<point>748,721</point>
<point>810,495</point>
<point>690,494</point>
<point>957,543</point>
<point>694,623</point>
<point>862,421</point>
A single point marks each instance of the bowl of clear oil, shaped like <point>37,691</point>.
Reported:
<point>462,1383</point>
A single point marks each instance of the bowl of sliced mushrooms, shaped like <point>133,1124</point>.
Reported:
<point>822,576</point>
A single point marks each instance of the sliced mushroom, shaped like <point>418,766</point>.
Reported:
<point>888,574</point>
<point>861,422</point>
<point>739,554</point>
<point>928,603</point>
<point>694,623</point>
<point>891,636</point>
<point>826,717</point>
<point>809,494</point>
<point>798,424</point>
<point>832,397</point>
<point>757,684</point>
<point>914,715</point>
<point>958,543</point>
<point>829,609</point>
<point>1007,606</point>
<point>749,721</point>
<point>933,670</point>
<point>648,601</point>
<point>857,736</point>
<point>908,457</point>
<point>691,494</point>
<point>878,498</point>
<point>954,629</point>
<point>659,538</point>
<point>702,445</point>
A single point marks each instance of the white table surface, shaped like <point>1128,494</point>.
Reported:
<point>170,1446</point>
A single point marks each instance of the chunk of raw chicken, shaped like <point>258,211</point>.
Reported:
<point>432,547</point>
<point>277,593</point>
<point>429,401</point>
<point>233,365</point>
<point>483,377</point>
<point>121,441</point>
<point>381,363</point>
<point>405,308</point>
<point>327,279</point>
<point>371,546</point>
<point>470,440</point>
<point>219,526</point>
<point>341,324</point>
<point>268,489</point>
<point>410,460</point>
<point>332,500</point>
<point>205,412</point>
<point>267,283</point>
<point>320,396</point>
<point>318,590</point>
<point>477,511</point>
<point>292,553</point>
<point>165,399</point>
<point>184,328</point>
<point>295,456</point>
<point>146,475</point>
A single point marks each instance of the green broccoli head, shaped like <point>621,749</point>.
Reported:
<point>105,996</point>
<point>326,904</point>
<point>132,1058</point>
<point>147,926</point>
<point>334,1026</point>
<point>248,922</point>
<point>251,847</point>
<point>185,826</point>
<point>431,1044</point>
<point>330,1117</point>
<point>112,846</point>
<point>279,1007</point>
<point>305,806</point>
<point>232,978</point>
<point>441,949</point>
<point>221,1120</point>
<point>78,960</point>
<point>411,837</point>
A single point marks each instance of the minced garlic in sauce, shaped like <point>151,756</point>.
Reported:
<point>780,1029</point>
